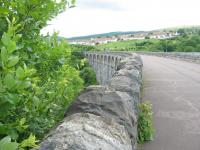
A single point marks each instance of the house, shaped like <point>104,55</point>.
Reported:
<point>105,40</point>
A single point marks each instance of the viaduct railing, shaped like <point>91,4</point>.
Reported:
<point>186,56</point>
<point>104,64</point>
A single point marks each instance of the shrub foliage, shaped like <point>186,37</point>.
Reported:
<point>88,75</point>
<point>37,78</point>
<point>145,123</point>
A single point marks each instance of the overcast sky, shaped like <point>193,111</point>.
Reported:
<point>100,16</point>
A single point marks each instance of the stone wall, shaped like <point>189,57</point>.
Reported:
<point>186,56</point>
<point>104,64</point>
<point>103,117</point>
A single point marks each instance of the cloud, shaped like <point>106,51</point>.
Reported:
<point>113,5</point>
<point>98,16</point>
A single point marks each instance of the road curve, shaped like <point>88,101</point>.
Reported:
<point>173,87</point>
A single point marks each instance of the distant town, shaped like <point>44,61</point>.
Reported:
<point>125,37</point>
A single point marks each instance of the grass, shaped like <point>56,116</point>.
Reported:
<point>145,123</point>
<point>131,45</point>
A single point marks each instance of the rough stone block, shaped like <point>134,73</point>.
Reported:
<point>83,131</point>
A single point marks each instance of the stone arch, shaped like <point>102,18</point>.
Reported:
<point>108,67</point>
<point>95,62</point>
<point>86,55</point>
<point>116,63</point>
<point>90,59</point>
<point>97,67</point>
<point>112,65</point>
<point>101,67</point>
<point>105,58</point>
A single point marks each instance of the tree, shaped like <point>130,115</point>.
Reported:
<point>31,15</point>
<point>147,37</point>
<point>181,31</point>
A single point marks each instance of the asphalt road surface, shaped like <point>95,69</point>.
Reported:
<point>173,87</point>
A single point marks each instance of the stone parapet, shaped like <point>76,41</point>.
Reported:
<point>103,117</point>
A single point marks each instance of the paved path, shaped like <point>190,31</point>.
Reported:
<point>174,89</point>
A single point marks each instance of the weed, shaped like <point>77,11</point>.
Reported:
<point>145,123</point>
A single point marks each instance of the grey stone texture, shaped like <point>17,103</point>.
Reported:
<point>84,131</point>
<point>103,117</point>
<point>185,56</point>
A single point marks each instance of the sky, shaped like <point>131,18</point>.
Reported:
<point>101,16</point>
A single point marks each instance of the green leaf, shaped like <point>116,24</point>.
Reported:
<point>6,144</point>
<point>19,46</point>
<point>9,81</point>
<point>4,55</point>
<point>16,38</point>
<point>24,85</point>
<point>7,129</point>
<point>30,142</point>
<point>13,61</point>
<point>21,125</point>
<point>1,86</point>
<point>4,129</point>
<point>4,11</point>
<point>12,98</point>
<point>8,21</point>
<point>11,47</point>
<point>20,73</point>
<point>5,39</point>
<point>9,43</point>
<point>36,101</point>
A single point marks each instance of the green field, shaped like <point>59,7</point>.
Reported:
<point>131,45</point>
<point>185,43</point>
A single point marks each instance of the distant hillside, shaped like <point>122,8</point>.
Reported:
<point>193,28</point>
<point>186,27</point>
<point>110,34</point>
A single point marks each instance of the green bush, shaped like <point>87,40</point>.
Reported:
<point>34,96</point>
<point>79,62</point>
<point>89,76</point>
<point>145,123</point>
<point>81,48</point>
<point>86,71</point>
<point>37,80</point>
